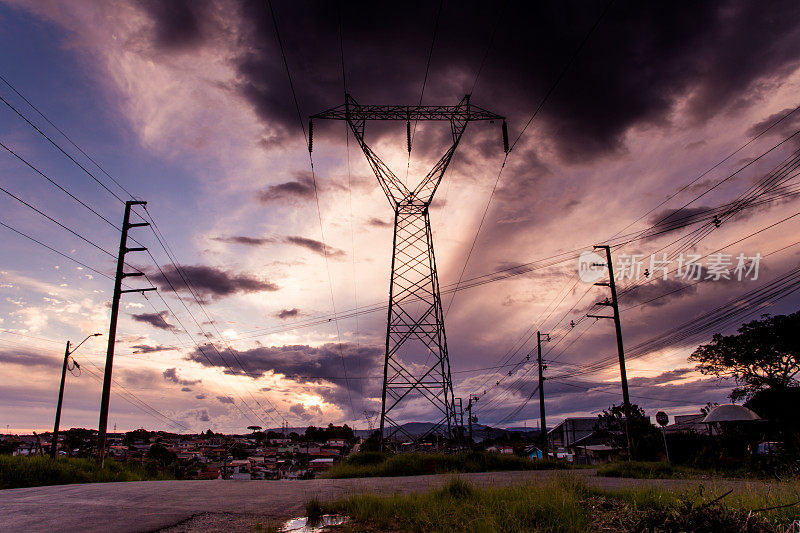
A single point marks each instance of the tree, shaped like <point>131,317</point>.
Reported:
<point>646,439</point>
<point>762,355</point>
<point>160,454</point>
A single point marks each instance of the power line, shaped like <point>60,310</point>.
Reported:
<point>67,137</point>
<point>43,134</point>
<point>522,132</point>
<point>316,194</point>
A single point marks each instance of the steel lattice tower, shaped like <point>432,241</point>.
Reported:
<point>416,364</point>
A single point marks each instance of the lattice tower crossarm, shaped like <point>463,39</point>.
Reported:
<point>415,333</point>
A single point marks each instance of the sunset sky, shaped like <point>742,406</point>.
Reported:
<point>646,108</point>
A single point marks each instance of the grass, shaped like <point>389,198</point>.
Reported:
<point>648,470</point>
<point>459,506</point>
<point>21,471</point>
<point>375,464</point>
<point>567,504</point>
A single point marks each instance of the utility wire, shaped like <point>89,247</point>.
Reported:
<point>521,133</point>
<point>316,195</point>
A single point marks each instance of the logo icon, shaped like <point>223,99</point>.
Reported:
<point>591,267</point>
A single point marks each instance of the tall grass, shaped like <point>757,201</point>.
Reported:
<point>458,506</point>
<point>22,471</point>
<point>374,464</point>
<point>648,470</point>
<point>568,504</point>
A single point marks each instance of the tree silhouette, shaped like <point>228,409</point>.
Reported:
<point>762,355</point>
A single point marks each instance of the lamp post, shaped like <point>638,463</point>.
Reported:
<point>67,353</point>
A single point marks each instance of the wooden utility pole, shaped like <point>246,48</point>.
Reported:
<point>67,353</point>
<point>112,330</point>
<point>614,304</point>
<point>543,425</point>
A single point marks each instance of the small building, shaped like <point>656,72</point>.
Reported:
<point>570,431</point>
<point>323,463</point>
<point>687,424</point>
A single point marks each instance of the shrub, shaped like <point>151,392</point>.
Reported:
<point>21,471</point>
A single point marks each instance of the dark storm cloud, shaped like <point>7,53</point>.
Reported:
<point>377,222</point>
<point>209,282</point>
<point>665,290</point>
<point>302,189</point>
<point>306,413</point>
<point>302,362</point>
<point>642,59</point>
<point>315,246</point>
<point>247,241</point>
<point>177,22</point>
<point>25,358</point>
<point>146,348</point>
<point>287,313</point>
<point>157,320</point>
<point>171,374</point>
<point>317,367</point>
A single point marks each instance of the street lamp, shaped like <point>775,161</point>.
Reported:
<point>67,353</point>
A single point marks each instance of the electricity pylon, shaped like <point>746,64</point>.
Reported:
<point>416,364</point>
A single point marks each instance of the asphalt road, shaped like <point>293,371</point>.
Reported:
<point>229,505</point>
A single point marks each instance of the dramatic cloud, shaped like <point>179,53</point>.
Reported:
<point>201,415</point>
<point>146,348</point>
<point>316,246</point>
<point>171,374</point>
<point>25,358</point>
<point>314,365</point>
<point>302,361</point>
<point>306,413</point>
<point>247,241</point>
<point>157,320</point>
<point>225,399</point>
<point>302,189</point>
<point>208,281</point>
<point>378,223</point>
<point>709,53</point>
<point>288,313</point>
<point>177,23</point>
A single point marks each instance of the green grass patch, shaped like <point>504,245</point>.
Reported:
<point>459,506</point>
<point>375,464</point>
<point>648,470</point>
<point>567,504</point>
<point>21,471</point>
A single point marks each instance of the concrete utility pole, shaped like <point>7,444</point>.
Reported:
<point>472,399</point>
<point>112,330</point>
<point>614,304</point>
<point>543,430</point>
<point>67,353</point>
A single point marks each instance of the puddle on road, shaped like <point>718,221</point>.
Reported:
<point>304,525</point>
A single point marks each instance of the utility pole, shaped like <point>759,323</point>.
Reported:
<point>472,399</point>
<point>543,425</point>
<point>112,330</point>
<point>416,363</point>
<point>614,304</point>
<point>67,353</point>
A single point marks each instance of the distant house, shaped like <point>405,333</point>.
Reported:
<point>687,424</point>
<point>323,463</point>
<point>569,431</point>
<point>336,442</point>
<point>504,450</point>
